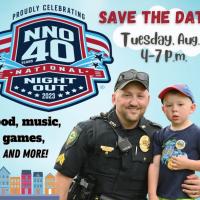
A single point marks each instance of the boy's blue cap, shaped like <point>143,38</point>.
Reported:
<point>182,88</point>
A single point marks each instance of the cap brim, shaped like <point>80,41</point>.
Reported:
<point>133,80</point>
<point>166,90</point>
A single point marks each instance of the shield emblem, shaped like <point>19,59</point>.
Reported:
<point>52,61</point>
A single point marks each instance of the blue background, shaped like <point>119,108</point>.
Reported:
<point>161,75</point>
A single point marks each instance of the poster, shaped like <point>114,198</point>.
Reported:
<point>50,47</point>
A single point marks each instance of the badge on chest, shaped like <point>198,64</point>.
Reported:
<point>144,143</point>
<point>106,149</point>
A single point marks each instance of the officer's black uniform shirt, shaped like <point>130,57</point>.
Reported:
<point>91,149</point>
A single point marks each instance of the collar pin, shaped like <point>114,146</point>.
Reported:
<point>143,126</point>
<point>112,123</point>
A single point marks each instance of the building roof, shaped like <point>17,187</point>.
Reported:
<point>37,174</point>
<point>26,171</point>
<point>49,175</point>
<point>4,170</point>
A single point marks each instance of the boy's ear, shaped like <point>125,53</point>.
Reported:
<point>163,108</point>
<point>193,107</point>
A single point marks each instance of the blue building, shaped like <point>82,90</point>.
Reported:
<point>37,183</point>
<point>4,181</point>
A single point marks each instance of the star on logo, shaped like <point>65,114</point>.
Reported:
<point>95,65</point>
<point>99,57</point>
<point>29,93</point>
<point>16,87</point>
<point>67,93</point>
<point>37,95</point>
<point>60,95</point>
<point>80,87</point>
<point>74,90</point>
<point>23,90</point>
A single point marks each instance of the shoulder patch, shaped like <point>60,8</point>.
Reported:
<point>73,136</point>
<point>60,159</point>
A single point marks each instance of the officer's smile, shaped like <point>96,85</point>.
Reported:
<point>133,109</point>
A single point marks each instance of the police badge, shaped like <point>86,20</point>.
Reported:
<point>144,143</point>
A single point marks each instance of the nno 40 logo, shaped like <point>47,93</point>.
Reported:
<point>52,61</point>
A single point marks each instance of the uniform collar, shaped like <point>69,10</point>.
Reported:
<point>113,119</point>
<point>143,124</point>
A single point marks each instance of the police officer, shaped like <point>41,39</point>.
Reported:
<point>113,148</point>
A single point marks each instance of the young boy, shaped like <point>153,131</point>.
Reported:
<point>176,147</point>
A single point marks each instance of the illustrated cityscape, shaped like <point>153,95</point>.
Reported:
<point>27,183</point>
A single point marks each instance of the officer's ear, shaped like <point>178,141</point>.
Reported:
<point>149,98</point>
<point>113,98</point>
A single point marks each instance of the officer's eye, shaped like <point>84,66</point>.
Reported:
<point>127,95</point>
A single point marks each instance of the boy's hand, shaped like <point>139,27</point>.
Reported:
<point>180,162</point>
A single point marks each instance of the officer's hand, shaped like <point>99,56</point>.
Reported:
<point>191,186</point>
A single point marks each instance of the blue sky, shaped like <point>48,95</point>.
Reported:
<point>161,74</point>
